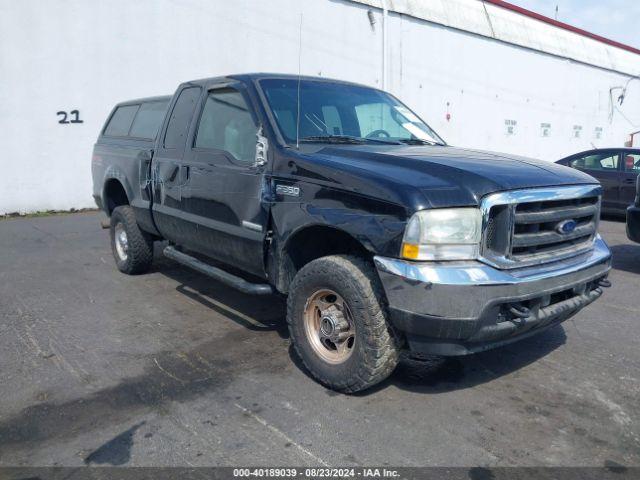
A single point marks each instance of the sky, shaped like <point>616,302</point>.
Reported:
<point>615,19</point>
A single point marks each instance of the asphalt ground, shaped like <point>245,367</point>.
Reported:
<point>174,369</point>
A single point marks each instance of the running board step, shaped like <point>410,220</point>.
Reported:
<point>218,274</point>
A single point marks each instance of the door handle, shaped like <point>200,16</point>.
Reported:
<point>629,180</point>
<point>179,175</point>
<point>173,174</point>
<point>185,172</point>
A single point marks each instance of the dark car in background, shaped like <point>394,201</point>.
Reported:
<point>617,170</point>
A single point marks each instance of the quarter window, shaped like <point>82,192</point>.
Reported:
<point>120,122</point>
<point>226,124</point>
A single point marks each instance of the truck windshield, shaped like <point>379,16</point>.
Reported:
<point>342,113</point>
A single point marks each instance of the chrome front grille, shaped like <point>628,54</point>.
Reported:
<point>528,227</point>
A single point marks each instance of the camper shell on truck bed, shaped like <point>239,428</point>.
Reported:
<point>337,195</point>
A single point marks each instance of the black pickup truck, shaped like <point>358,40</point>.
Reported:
<point>337,195</point>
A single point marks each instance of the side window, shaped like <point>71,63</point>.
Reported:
<point>631,162</point>
<point>178,127</point>
<point>148,120</point>
<point>602,161</point>
<point>120,122</point>
<point>226,124</point>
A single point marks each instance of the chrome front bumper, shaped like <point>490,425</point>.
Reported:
<point>464,305</point>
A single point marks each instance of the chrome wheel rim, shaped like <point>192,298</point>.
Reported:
<point>329,326</point>
<point>121,242</point>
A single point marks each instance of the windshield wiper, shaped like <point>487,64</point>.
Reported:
<point>345,139</point>
<point>331,139</point>
<point>420,141</point>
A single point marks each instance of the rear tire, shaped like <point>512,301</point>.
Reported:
<point>132,248</point>
<point>338,323</point>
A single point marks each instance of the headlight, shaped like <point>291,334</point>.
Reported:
<point>443,234</point>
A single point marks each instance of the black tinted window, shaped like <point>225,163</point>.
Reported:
<point>178,127</point>
<point>148,120</point>
<point>226,124</point>
<point>120,121</point>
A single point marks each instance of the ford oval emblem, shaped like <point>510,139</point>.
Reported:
<point>565,227</point>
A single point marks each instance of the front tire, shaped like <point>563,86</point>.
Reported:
<point>132,248</point>
<point>338,323</point>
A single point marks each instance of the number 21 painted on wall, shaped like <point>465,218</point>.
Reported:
<point>75,114</point>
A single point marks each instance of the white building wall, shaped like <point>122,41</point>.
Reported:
<point>87,55</point>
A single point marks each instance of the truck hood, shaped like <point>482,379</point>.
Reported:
<point>438,176</point>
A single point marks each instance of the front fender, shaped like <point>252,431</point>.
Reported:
<point>377,225</point>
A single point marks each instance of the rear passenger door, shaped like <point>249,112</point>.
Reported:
<point>169,174</point>
<point>224,195</point>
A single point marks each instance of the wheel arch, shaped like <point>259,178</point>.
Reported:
<point>114,194</point>
<point>311,242</point>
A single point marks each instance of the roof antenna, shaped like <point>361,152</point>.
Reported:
<point>298,100</point>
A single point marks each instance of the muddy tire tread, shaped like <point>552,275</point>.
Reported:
<point>140,253</point>
<point>381,345</point>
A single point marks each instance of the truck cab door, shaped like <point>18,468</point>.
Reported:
<point>169,174</point>
<point>225,198</point>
